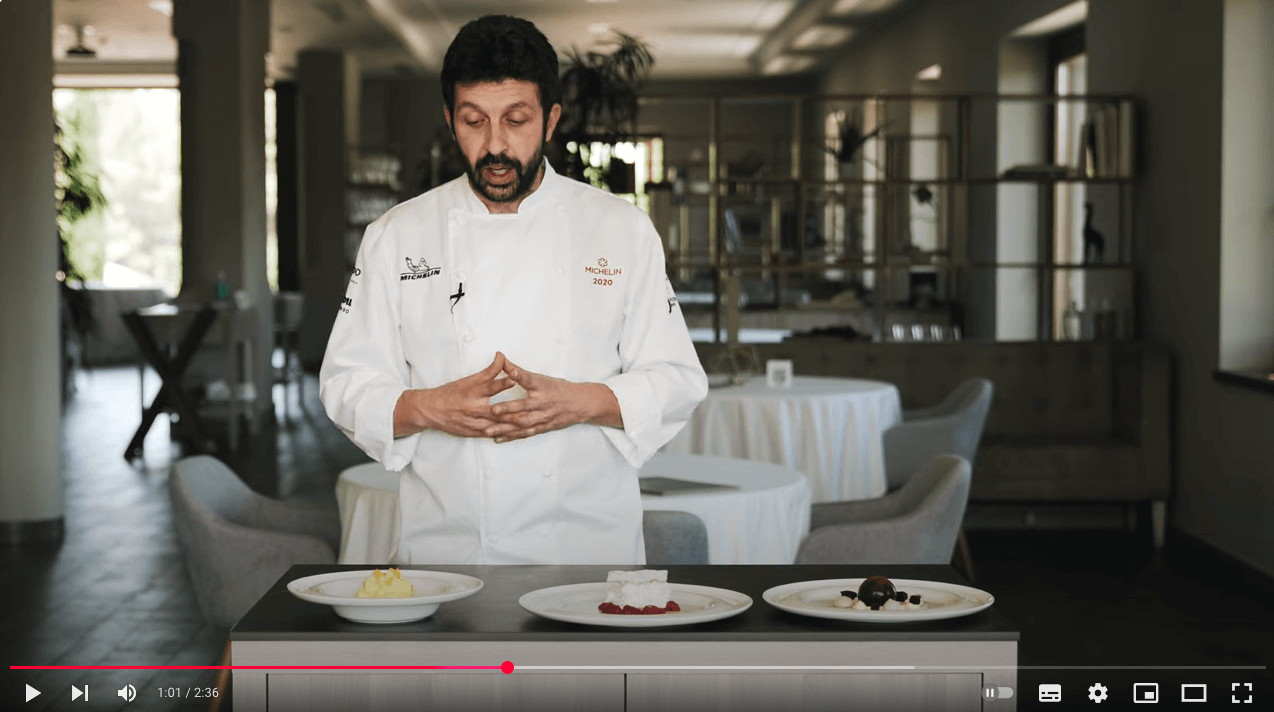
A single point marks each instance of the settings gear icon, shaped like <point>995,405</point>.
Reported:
<point>1097,693</point>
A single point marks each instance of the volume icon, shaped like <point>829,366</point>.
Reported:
<point>128,692</point>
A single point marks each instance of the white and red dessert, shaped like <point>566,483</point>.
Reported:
<point>639,593</point>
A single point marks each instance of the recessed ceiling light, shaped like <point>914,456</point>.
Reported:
<point>599,28</point>
<point>930,73</point>
<point>822,37</point>
<point>787,64</point>
<point>163,7</point>
<point>845,7</point>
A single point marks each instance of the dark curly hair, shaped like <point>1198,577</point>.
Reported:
<point>499,47</point>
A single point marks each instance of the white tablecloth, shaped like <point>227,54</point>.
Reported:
<point>828,428</point>
<point>762,522</point>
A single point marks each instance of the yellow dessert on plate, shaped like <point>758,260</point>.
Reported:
<point>386,584</point>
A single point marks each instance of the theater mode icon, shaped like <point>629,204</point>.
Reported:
<point>1194,692</point>
<point>1050,693</point>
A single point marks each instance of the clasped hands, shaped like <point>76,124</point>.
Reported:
<point>463,408</point>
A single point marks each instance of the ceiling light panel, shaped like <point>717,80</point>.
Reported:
<point>787,64</point>
<point>684,44</point>
<point>1073,14</point>
<point>845,8</point>
<point>772,13</point>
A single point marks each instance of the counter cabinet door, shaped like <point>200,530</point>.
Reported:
<point>805,692</point>
<point>391,692</point>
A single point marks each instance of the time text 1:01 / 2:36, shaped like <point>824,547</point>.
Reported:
<point>185,692</point>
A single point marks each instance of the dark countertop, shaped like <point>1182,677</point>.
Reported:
<point>1256,380</point>
<point>493,614</point>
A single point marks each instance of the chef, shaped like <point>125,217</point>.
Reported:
<point>509,341</point>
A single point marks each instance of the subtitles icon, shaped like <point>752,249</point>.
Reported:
<point>1194,692</point>
<point>1050,693</point>
<point>128,692</point>
<point>1145,692</point>
<point>1240,693</point>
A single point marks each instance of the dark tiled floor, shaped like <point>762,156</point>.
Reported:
<point>115,591</point>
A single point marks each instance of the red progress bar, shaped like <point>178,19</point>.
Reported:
<point>506,667</point>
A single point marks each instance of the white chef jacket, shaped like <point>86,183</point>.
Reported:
<point>573,285</point>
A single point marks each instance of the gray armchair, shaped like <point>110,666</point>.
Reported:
<point>237,543</point>
<point>918,524</point>
<point>674,538</point>
<point>953,426</point>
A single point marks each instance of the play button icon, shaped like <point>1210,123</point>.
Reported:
<point>32,693</point>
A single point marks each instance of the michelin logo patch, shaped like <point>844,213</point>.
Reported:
<point>418,270</point>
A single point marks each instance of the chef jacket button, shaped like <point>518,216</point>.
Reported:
<point>560,271</point>
<point>468,338</point>
<point>561,340</point>
<point>547,474</point>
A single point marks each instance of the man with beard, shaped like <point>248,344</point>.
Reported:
<point>509,341</point>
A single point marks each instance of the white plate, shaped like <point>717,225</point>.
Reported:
<point>578,602</point>
<point>939,600</point>
<point>340,591</point>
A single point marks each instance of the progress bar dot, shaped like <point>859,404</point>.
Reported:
<point>507,667</point>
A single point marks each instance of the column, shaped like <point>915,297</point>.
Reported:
<point>221,71</point>
<point>287,219</point>
<point>31,503</point>
<point>329,112</point>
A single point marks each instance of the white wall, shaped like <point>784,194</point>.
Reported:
<point>1171,54</point>
<point>1247,187</point>
<point>1175,62</point>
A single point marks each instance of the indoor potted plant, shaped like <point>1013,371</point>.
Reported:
<point>599,104</point>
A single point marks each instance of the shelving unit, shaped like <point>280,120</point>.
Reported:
<point>371,189</point>
<point>920,216</point>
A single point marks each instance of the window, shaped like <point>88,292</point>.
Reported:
<point>131,139</point>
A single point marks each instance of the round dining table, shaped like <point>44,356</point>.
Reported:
<point>830,429</point>
<point>759,519</point>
